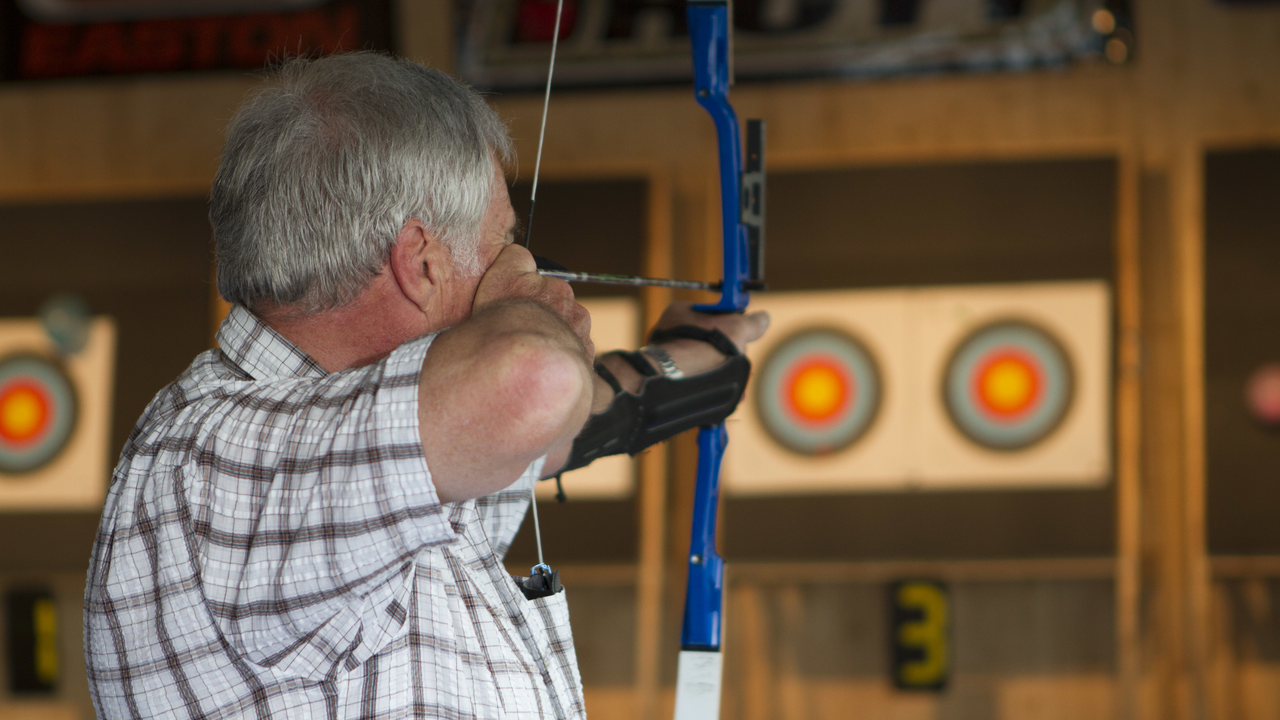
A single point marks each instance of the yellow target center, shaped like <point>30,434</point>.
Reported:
<point>1007,385</point>
<point>23,412</point>
<point>817,392</point>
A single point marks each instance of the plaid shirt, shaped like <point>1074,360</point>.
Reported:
<point>272,547</point>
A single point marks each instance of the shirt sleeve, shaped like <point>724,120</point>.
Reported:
<point>311,498</point>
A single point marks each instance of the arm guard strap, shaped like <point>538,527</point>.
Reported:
<point>664,407</point>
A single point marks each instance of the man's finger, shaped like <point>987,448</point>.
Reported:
<point>757,324</point>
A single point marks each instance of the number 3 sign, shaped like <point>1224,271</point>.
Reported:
<point>921,633</point>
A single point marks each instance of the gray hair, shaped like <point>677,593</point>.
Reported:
<point>325,165</point>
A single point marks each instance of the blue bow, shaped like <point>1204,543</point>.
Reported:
<point>742,217</point>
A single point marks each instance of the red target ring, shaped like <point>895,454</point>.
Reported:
<point>817,389</point>
<point>1008,385</point>
<point>24,412</point>
<point>38,409</point>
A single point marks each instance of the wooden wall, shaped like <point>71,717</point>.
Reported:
<point>1204,78</point>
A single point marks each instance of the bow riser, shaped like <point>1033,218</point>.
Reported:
<point>709,31</point>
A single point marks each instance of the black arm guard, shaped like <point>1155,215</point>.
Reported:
<point>664,407</point>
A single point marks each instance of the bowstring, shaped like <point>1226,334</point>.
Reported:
<point>528,227</point>
<point>542,131</point>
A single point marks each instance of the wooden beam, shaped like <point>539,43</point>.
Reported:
<point>1187,183</point>
<point>1244,567</point>
<point>839,573</point>
<point>874,572</point>
<point>652,490</point>
<point>1128,434</point>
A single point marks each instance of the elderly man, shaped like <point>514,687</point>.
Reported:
<point>310,521</point>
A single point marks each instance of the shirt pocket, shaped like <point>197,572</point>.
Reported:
<point>560,653</point>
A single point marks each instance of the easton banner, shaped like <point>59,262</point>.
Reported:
<point>985,386</point>
<point>505,43</point>
<point>42,39</point>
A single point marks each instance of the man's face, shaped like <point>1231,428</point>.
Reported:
<point>497,230</point>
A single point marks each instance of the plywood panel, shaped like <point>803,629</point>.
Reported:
<point>37,710</point>
<point>610,703</point>
<point>1057,698</point>
<point>1259,691</point>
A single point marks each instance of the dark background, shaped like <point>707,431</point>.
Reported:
<point>1241,331</point>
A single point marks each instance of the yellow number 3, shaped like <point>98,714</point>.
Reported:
<point>922,629</point>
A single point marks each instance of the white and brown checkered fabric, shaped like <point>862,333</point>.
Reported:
<point>272,547</point>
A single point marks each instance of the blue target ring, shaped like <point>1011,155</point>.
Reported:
<point>38,409</point>
<point>818,392</point>
<point>1008,385</point>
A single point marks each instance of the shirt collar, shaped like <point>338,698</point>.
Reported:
<point>261,351</point>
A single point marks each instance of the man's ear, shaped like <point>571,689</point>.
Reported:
<point>417,264</point>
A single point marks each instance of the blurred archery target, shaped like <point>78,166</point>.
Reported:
<point>818,391</point>
<point>825,411</point>
<point>987,386</point>
<point>615,324</point>
<point>1008,385</point>
<point>37,412</point>
<point>1017,382</point>
<point>54,417</point>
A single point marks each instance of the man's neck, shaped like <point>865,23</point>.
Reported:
<point>354,335</point>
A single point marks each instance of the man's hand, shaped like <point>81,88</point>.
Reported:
<point>514,275</point>
<point>741,329</point>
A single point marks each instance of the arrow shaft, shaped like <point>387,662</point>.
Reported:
<point>605,279</point>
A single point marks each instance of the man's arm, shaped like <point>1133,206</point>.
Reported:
<point>507,386</point>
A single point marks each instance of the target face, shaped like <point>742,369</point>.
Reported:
<point>37,412</point>
<point>1008,385</point>
<point>818,392</point>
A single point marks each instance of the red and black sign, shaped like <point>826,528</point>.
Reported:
<point>76,38</point>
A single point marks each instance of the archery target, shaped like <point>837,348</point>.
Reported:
<point>818,391</point>
<point>1008,385</point>
<point>825,411</point>
<point>963,387</point>
<point>615,324</point>
<point>37,412</point>
<point>54,417</point>
<point>1018,385</point>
